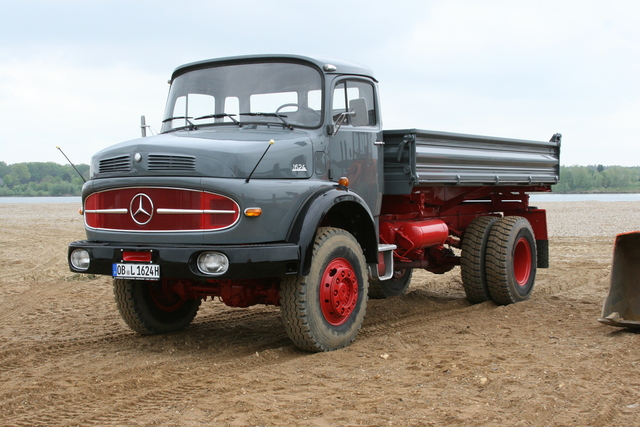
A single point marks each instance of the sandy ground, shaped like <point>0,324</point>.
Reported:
<point>426,358</point>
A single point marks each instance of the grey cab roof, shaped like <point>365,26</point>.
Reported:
<point>341,67</point>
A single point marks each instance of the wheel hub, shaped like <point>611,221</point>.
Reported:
<point>522,262</point>
<point>338,292</point>
<point>164,298</point>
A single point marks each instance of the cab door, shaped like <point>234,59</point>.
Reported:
<point>355,141</point>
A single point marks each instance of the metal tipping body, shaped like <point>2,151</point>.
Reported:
<point>415,157</point>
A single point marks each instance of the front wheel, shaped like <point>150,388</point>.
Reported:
<point>150,307</point>
<point>511,260</point>
<point>324,310</point>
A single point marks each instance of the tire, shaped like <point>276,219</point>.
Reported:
<point>393,287</point>
<point>511,260</point>
<point>324,310</point>
<point>149,308</point>
<point>472,263</point>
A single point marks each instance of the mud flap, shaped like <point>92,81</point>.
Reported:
<point>622,306</point>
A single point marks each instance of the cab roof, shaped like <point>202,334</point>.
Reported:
<point>327,66</point>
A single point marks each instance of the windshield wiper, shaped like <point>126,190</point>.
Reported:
<point>168,119</point>
<point>280,116</point>
<point>218,116</point>
<point>185,118</point>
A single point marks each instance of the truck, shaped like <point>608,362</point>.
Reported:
<point>273,182</point>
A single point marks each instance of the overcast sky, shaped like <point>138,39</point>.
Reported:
<point>80,73</point>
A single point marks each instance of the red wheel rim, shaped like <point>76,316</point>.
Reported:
<point>338,291</point>
<point>522,262</point>
<point>164,298</point>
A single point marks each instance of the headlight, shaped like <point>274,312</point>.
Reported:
<point>80,259</point>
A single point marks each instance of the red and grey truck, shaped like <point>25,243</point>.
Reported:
<point>273,182</point>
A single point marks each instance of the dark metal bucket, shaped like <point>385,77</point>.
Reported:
<point>622,306</point>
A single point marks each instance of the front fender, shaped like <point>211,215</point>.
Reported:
<point>334,207</point>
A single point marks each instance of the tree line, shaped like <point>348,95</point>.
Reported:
<point>53,179</point>
<point>598,179</point>
<point>41,179</point>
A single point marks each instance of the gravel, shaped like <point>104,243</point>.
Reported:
<point>591,219</point>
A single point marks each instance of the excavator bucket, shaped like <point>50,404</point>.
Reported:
<point>622,306</point>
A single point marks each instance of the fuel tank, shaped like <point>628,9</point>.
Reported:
<point>414,235</point>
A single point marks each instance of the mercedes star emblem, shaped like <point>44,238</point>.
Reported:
<point>141,209</point>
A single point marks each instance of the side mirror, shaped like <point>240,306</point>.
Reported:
<point>359,112</point>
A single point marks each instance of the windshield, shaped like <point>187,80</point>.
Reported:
<point>282,94</point>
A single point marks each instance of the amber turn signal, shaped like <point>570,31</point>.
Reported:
<point>252,212</point>
<point>344,181</point>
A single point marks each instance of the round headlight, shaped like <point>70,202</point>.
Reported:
<point>213,263</point>
<point>80,259</point>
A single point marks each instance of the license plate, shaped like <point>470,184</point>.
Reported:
<point>137,271</point>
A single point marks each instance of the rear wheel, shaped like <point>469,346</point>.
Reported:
<point>511,260</point>
<point>149,307</point>
<point>472,263</point>
<point>324,310</point>
<point>397,285</point>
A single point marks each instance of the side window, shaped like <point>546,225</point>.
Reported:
<point>314,98</point>
<point>180,107</point>
<point>348,92</point>
<point>269,102</point>
<point>200,105</point>
<point>193,105</point>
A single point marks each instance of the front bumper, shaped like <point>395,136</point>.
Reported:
<point>179,262</point>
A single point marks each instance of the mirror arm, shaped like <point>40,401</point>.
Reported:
<point>341,118</point>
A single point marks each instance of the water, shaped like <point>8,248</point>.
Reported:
<point>535,197</point>
<point>77,200</point>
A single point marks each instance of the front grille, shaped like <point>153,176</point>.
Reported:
<point>115,164</point>
<point>159,209</point>
<point>164,162</point>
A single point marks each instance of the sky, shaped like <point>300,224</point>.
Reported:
<point>79,74</point>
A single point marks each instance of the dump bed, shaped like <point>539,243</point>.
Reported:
<point>414,157</point>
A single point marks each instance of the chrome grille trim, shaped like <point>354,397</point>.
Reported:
<point>107,211</point>
<point>193,211</point>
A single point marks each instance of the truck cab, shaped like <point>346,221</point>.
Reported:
<point>236,163</point>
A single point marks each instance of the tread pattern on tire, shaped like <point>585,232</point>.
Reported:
<point>472,263</point>
<point>498,268</point>
<point>129,312</point>
<point>295,300</point>
<point>293,292</point>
